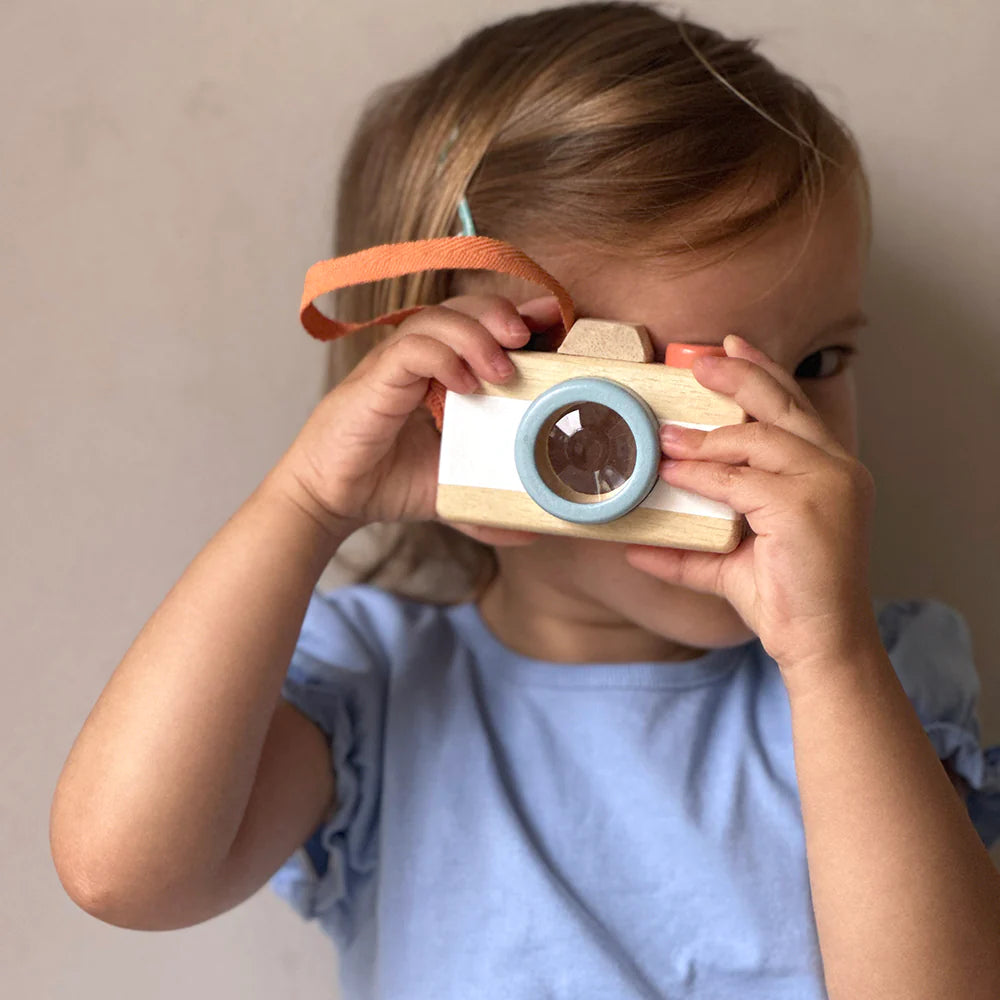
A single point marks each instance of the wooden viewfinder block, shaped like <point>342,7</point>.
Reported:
<point>602,338</point>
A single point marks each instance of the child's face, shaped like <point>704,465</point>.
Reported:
<point>788,301</point>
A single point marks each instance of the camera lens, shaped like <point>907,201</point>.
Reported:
<point>589,450</point>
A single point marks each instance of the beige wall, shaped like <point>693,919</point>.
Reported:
<point>165,180</point>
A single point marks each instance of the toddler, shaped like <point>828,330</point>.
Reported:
<point>598,770</point>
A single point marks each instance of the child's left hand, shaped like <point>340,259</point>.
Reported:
<point>800,582</point>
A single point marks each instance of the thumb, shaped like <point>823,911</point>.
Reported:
<point>700,571</point>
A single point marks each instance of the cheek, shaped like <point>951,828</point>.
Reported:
<point>836,403</point>
<point>844,426</point>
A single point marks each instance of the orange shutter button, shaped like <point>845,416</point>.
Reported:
<point>683,355</point>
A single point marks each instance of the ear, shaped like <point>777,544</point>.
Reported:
<point>500,537</point>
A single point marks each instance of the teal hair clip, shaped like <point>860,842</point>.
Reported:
<point>465,217</point>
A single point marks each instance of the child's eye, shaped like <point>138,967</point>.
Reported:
<point>826,363</point>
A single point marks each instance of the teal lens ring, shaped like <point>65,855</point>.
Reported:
<point>587,450</point>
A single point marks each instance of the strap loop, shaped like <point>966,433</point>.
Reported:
<point>392,260</point>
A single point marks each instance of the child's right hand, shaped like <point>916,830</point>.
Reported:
<point>368,451</point>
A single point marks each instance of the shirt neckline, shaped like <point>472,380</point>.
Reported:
<point>505,662</point>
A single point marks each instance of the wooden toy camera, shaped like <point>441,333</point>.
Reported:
<point>570,443</point>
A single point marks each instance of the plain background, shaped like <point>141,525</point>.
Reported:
<point>167,177</point>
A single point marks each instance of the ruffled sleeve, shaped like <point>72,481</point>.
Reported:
<point>338,678</point>
<point>930,648</point>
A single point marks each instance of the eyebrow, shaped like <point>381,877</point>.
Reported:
<point>855,321</point>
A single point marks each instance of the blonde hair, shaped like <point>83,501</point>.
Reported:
<point>613,124</point>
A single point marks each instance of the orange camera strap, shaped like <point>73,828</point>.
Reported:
<point>393,260</point>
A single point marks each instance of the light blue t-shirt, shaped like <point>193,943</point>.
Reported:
<point>513,828</point>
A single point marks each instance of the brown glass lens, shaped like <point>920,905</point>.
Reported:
<point>590,449</point>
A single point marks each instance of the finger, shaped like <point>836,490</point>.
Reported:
<point>481,347</point>
<point>761,446</point>
<point>744,489</point>
<point>764,398</point>
<point>476,327</point>
<point>541,313</point>
<point>496,314</point>
<point>394,382</point>
<point>738,347</point>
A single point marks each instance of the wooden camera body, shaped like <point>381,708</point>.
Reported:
<point>569,445</point>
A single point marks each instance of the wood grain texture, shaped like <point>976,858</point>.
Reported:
<point>505,508</point>
<point>672,393</point>
<point>605,338</point>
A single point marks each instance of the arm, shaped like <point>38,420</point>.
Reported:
<point>907,899</point>
<point>959,783</point>
<point>189,784</point>
<point>186,788</point>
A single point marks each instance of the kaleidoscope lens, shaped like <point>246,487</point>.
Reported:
<point>587,450</point>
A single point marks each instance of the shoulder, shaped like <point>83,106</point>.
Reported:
<point>931,651</point>
<point>930,648</point>
<point>927,619</point>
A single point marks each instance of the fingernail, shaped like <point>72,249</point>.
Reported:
<point>502,366</point>
<point>709,361</point>
<point>671,432</point>
<point>542,302</point>
<point>518,328</point>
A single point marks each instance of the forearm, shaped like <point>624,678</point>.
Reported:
<point>906,898</point>
<point>155,787</point>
